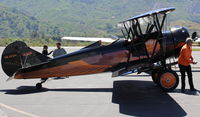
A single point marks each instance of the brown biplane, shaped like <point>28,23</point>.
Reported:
<point>146,46</point>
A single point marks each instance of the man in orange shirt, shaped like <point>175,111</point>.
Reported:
<point>184,61</point>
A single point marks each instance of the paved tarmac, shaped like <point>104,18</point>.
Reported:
<point>96,95</point>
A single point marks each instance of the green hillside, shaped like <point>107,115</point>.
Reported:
<point>192,26</point>
<point>17,24</point>
<point>99,17</point>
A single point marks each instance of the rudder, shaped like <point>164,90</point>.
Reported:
<point>18,55</point>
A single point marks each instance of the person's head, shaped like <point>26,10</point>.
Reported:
<point>58,45</point>
<point>45,47</point>
<point>189,42</point>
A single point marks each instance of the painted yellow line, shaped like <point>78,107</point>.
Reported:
<point>17,110</point>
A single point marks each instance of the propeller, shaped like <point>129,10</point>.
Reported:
<point>195,37</point>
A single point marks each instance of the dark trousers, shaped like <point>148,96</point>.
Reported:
<point>187,69</point>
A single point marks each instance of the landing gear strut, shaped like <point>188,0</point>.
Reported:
<point>39,85</point>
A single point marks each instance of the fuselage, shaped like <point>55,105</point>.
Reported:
<point>108,58</point>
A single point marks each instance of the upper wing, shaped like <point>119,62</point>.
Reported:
<point>141,26</point>
<point>108,40</point>
<point>151,13</point>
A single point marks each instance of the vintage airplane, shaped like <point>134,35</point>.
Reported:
<point>145,48</point>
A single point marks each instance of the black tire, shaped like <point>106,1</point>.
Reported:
<point>38,86</point>
<point>154,76</point>
<point>168,80</point>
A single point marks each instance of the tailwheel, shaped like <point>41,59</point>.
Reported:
<point>38,85</point>
<point>168,80</point>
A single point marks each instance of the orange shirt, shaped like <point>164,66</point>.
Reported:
<point>185,56</point>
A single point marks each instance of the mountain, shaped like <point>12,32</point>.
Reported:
<point>99,17</point>
<point>18,24</point>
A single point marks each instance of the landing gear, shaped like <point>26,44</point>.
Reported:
<point>154,75</point>
<point>168,80</point>
<point>39,85</point>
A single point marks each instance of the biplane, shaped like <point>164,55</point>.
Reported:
<point>146,46</point>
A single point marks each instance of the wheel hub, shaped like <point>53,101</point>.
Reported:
<point>168,80</point>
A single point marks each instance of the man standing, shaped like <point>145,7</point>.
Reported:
<point>184,61</point>
<point>59,51</point>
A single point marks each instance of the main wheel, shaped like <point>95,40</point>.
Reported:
<point>38,86</point>
<point>168,80</point>
<point>154,76</point>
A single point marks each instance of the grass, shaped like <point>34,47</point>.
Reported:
<point>196,49</point>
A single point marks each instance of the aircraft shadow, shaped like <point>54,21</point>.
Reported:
<point>135,98</point>
<point>23,90</point>
<point>144,99</point>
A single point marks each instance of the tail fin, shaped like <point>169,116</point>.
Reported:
<point>18,55</point>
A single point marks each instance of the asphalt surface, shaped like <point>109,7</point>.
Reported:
<point>97,95</point>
